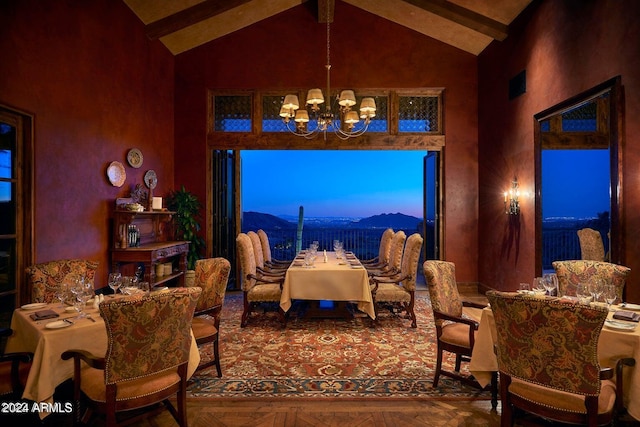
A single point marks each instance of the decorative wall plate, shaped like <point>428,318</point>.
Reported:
<point>150,179</point>
<point>116,174</point>
<point>134,157</point>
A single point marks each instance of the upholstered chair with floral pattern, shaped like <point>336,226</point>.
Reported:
<point>399,290</point>
<point>572,272</point>
<point>149,339</point>
<point>212,276</point>
<point>45,278</point>
<point>548,361</point>
<point>261,268</point>
<point>455,334</point>
<point>591,246</point>
<point>266,252</point>
<point>384,251</point>
<point>256,289</point>
<point>395,257</point>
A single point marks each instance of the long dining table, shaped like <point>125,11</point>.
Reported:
<point>47,344</point>
<point>612,345</point>
<point>334,279</point>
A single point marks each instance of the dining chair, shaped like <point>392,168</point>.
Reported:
<point>266,252</point>
<point>261,268</point>
<point>149,338</point>
<point>454,333</point>
<point>384,251</point>
<point>547,352</point>
<point>399,290</point>
<point>212,276</point>
<point>591,245</point>
<point>45,278</point>
<point>14,369</point>
<point>395,257</point>
<point>572,272</point>
<point>257,289</point>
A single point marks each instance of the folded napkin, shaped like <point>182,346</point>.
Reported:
<point>44,314</point>
<point>629,316</point>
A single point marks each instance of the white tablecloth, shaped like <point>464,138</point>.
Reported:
<point>333,280</point>
<point>48,370</point>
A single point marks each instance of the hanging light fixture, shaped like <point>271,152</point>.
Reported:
<point>345,127</point>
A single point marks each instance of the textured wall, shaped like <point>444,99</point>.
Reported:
<point>566,48</point>
<point>97,87</point>
<point>288,51</point>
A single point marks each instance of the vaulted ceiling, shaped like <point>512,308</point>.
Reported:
<point>469,25</point>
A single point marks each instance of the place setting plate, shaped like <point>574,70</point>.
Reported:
<point>34,306</point>
<point>58,324</point>
<point>632,307</point>
<point>620,326</point>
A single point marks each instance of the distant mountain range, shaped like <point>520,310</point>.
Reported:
<point>256,220</point>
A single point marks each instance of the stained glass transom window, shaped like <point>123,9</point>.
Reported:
<point>418,114</point>
<point>232,113</point>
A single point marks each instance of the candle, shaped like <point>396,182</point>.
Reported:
<point>157,203</point>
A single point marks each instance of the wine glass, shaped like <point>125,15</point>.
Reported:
<point>523,288</point>
<point>115,280</point>
<point>61,293</point>
<point>596,287</point>
<point>610,294</point>
<point>582,292</point>
<point>538,287</point>
<point>83,291</point>
<point>550,282</point>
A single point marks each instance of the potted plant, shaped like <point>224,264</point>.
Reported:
<point>187,222</point>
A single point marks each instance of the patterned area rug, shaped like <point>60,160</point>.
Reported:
<point>327,358</point>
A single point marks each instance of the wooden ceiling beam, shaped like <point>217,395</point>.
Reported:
<point>463,16</point>
<point>190,16</point>
<point>325,11</point>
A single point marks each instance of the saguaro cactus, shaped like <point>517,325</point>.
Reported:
<point>299,232</point>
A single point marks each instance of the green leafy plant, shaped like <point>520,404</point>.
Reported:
<point>187,222</point>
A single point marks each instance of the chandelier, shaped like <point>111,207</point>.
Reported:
<point>344,125</point>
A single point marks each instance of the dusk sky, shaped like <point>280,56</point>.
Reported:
<point>327,183</point>
<point>575,183</point>
<point>364,183</point>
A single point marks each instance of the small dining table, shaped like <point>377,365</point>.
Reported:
<point>47,344</point>
<point>612,346</point>
<point>332,279</point>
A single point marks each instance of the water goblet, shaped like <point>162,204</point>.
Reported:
<point>550,283</point>
<point>523,288</point>
<point>596,287</point>
<point>610,294</point>
<point>538,287</point>
<point>62,292</point>
<point>582,292</point>
<point>115,280</point>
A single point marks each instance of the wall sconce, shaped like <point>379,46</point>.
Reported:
<point>511,204</point>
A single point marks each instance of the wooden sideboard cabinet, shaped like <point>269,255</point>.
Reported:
<point>156,245</point>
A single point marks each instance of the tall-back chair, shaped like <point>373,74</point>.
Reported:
<point>399,289</point>
<point>384,251</point>
<point>14,369</point>
<point>547,354</point>
<point>591,246</point>
<point>45,278</point>
<point>455,334</point>
<point>261,267</point>
<point>266,252</point>
<point>572,272</point>
<point>256,289</point>
<point>212,276</point>
<point>395,257</point>
<point>149,339</point>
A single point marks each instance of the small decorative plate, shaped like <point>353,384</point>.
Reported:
<point>632,307</point>
<point>116,174</point>
<point>134,157</point>
<point>150,179</point>
<point>57,324</point>
<point>34,306</point>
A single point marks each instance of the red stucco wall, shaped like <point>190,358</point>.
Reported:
<point>96,87</point>
<point>566,48</point>
<point>288,51</point>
